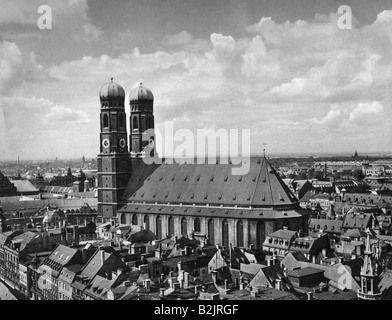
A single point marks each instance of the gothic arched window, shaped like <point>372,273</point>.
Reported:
<point>184,229</point>
<point>158,227</point>
<point>135,124</point>
<point>147,222</point>
<point>225,233</point>
<point>240,234</point>
<point>197,225</point>
<point>171,226</point>
<point>121,122</point>
<point>105,121</point>
<point>134,219</point>
<point>211,231</point>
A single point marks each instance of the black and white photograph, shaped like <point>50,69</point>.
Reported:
<point>205,156</point>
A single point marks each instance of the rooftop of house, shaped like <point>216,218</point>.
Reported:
<point>283,234</point>
<point>62,255</point>
<point>353,220</point>
<point>264,294</point>
<point>304,272</point>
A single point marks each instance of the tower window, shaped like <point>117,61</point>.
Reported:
<point>135,124</point>
<point>105,121</point>
<point>121,120</point>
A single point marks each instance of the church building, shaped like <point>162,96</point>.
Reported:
<point>199,200</point>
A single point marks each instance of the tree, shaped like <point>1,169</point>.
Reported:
<point>319,175</point>
<point>301,176</point>
<point>358,174</point>
<point>311,173</point>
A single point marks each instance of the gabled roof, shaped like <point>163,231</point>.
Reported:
<point>25,238</point>
<point>24,186</point>
<point>326,225</point>
<point>303,272</point>
<point>99,287</point>
<point>283,234</point>
<point>62,254</point>
<point>356,220</point>
<point>209,183</point>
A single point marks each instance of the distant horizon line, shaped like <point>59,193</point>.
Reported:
<point>275,154</point>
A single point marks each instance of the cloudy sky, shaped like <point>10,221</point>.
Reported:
<point>283,69</point>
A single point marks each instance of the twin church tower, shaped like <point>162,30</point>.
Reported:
<point>115,158</point>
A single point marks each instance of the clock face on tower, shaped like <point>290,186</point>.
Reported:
<point>105,143</point>
<point>122,143</point>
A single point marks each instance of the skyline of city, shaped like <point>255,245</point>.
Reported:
<point>299,82</point>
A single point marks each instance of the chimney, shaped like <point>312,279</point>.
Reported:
<point>162,292</point>
<point>147,283</point>
<point>102,252</point>
<point>278,284</point>
<point>313,259</point>
<point>310,295</point>
<point>196,289</point>
<point>241,284</point>
<point>340,260</point>
<point>285,228</point>
<point>186,279</point>
<point>76,234</point>
<point>170,280</point>
<point>213,274</point>
<point>176,286</point>
<point>86,186</point>
<point>324,252</point>
<point>226,284</point>
<point>84,256</point>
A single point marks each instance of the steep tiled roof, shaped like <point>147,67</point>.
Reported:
<point>99,287</point>
<point>33,206</point>
<point>303,272</point>
<point>356,220</point>
<point>283,234</point>
<point>62,254</point>
<point>326,225</point>
<point>209,183</point>
<point>24,186</point>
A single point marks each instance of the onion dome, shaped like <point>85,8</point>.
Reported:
<point>112,90</point>
<point>141,94</point>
